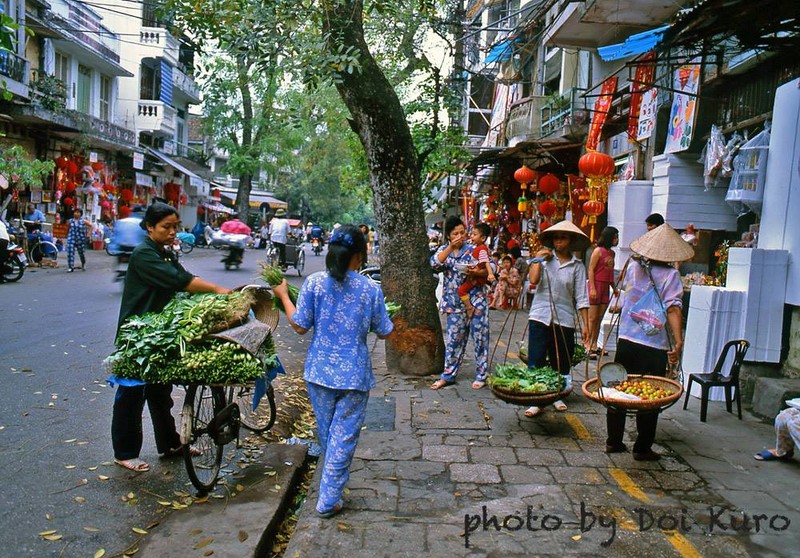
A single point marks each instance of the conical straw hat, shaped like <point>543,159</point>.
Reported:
<point>579,239</point>
<point>663,244</point>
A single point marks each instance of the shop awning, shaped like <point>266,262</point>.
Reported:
<point>217,207</point>
<point>635,44</point>
<point>502,51</point>
<point>257,199</point>
<point>194,179</point>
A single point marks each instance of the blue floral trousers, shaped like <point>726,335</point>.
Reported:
<point>340,414</point>
<point>457,328</point>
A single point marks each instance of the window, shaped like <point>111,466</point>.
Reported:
<point>105,98</point>
<point>62,68</point>
<point>84,102</point>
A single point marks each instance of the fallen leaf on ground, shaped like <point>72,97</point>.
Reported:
<point>52,537</point>
<point>138,530</point>
<point>103,477</point>
<point>239,487</point>
<point>80,499</point>
<point>208,552</point>
<point>70,466</point>
<point>100,553</point>
<point>576,538</point>
<point>243,536</point>
<point>45,533</point>
<point>70,440</point>
<point>48,516</point>
<point>195,531</point>
<point>93,468</point>
<point>205,542</point>
<point>91,529</point>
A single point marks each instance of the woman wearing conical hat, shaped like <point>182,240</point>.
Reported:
<point>645,346</point>
<point>560,293</point>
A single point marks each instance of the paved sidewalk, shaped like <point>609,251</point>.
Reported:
<point>457,472</point>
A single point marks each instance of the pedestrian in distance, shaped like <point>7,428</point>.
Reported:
<point>341,307</point>
<point>653,220</point>
<point>76,240</point>
<point>601,282</point>
<point>650,334</point>
<point>279,235</point>
<point>154,277</point>
<point>454,260</point>
<point>560,279</point>
<point>35,218</point>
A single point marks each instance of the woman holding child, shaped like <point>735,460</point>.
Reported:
<point>456,261</point>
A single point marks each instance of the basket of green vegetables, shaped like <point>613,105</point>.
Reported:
<point>516,383</point>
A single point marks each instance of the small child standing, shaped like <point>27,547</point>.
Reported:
<point>478,236</point>
<point>76,240</point>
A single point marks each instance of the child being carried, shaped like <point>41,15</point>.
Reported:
<point>478,236</point>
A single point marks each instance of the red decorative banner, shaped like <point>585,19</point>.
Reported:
<point>601,108</point>
<point>642,80</point>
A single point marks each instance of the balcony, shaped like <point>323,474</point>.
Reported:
<point>604,22</point>
<point>185,86</point>
<point>156,117</point>
<point>565,116</point>
<point>524,121</point>
<point>162,42</point>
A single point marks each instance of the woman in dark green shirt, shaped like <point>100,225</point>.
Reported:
<point>154,276</point>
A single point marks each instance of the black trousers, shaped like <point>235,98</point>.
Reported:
<point>550,344</point>
<point>126,423</point>
<point>637,359</point>
<point>281,253</point>
<point>3,255</point>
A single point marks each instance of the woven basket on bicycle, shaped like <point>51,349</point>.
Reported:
<point>590,390</point>
<point>539,399</point>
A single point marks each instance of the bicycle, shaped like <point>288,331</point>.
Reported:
<point>37,249</point>
<point>212,415</point>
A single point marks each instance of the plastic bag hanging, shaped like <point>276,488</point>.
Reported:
<point>746,191</point>
<point>714,156</point>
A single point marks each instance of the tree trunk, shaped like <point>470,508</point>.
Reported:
<point>379,121</point>
<point>243,196</point>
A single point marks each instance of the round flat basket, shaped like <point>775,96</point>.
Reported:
<point>590,388</point>
<point>521,398</point>
<point>263,307</point>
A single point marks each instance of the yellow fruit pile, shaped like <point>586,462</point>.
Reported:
<point>644,389</point>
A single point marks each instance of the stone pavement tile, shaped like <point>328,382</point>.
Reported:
<point>387,446</point>
<point>446,539</point>
<point>542,497</point>
<point>566,442</point>
<point>497,456</point>
<point>372,495</point>
<point>705,465</point>
<point>482,439</point>
<point>524,474</point>
<point>395,538</point>
<point>445,454</point>
<point>643,478</point>
<point>587,458</point>
<point>450,413</point>
<point>431,438</point>
<point>483,493</point>
<point>481,473</point>
<point>750,501</point>
<point>772,545</point>
<point>516,439</point>
<point>579,475</point>
<point>370,470</point>
<point>535,456</point>
<point>669,480</point>
<point>426,498</point>
<point>418,470</point>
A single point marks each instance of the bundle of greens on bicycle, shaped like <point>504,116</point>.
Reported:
<point>177,345</point>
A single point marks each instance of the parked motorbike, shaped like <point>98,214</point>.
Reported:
<point>15,264</point>
<point>316,246</point>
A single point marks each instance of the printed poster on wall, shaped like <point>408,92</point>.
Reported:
<point>643,78</point>
<point>647,114</point>
<point>601,108</point>
<point>684,107</point>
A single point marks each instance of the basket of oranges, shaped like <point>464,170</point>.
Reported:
<point>634,393</point>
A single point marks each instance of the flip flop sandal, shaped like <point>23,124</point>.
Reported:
<point>767,455</point>
<point>560,406</point>
<point>177,452</point>
<point>439,384</point>
<point>136,465</point>
<point>478,384</point>
<point>532,411</point>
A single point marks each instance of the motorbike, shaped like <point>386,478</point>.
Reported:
<point>316,246</point>
<point>15,264</point>
<point>123,255</point>
<point>233,258</point>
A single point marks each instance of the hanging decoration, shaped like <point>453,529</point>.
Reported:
<point>547,208</point>
<point>524,175</point>
<point>684,107</point>
<point>597,168</point>
<point>645,73</point>
<point>549,184</point>
<point>601,109</point>
<point>522,204</point>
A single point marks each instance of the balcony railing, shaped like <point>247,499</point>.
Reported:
<point>156,117</point>
<point>558,111</point>
<point>13,66</point>
<point>185,84</point>
<point>84,27</point>
<point>158,37</point>
<point>524,120</point>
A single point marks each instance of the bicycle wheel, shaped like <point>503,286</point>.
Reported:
<point>186,247</point>
<point>201,406</point>
<point>263,417</point>
<point>44,250</point>
<point>301,263</point>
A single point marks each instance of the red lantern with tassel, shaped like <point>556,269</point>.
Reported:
<point>592,209</point>
<point>72,167</point>
<point>549,184</point>
<point>524,175</point>
<point>594,164</point>
<point>547,208</point>
<point>61,162</point>
<point>97,166</point>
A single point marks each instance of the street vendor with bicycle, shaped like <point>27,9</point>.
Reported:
<point>154,277</point>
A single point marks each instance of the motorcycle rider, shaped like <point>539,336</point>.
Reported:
<point>234,226</point>
<point>317,233</point>
<point>127,234</point>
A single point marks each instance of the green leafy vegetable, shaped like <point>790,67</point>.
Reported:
<point>391,307</point>
<point>273,276</point>
<point>518,377</point>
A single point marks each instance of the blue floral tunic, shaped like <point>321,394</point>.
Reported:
<point>457,327</point>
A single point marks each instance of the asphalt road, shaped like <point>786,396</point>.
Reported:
<point>55,445</point>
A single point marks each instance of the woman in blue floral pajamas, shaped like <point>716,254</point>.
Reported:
<point>76,239</point>
<point>457,325</point>
<point>342,307</point>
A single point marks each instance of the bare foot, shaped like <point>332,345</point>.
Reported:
<point>439,384</point>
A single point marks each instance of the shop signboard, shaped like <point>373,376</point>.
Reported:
<point>138,160</point>
<point>647,114</point>
<point>684,108</point>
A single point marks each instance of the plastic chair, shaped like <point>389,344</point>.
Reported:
<point>716,379</point>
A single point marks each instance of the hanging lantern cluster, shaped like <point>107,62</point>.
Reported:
<point>524,175</point>
<point>549,184</point>
<point>597,168</point>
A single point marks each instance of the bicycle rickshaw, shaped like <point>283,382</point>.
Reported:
<point>213,413</point>
<point>295,249</point>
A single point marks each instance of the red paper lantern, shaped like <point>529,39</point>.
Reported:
<point>593,208</point>
<point>126,195</point>
<point>98,166</point>
<point>124,212</point>
<point>524,175</point>
<point>200,210</point>
<point>72,167</point>
<point>69,202</point>
<point>547,208</point>
<point>549,184</point>
<point>184,199</point>
<point>514,228</point>
<point>596,165</point>
<point>61,162</point>
<point>544,226</point>
<point>69,187</point>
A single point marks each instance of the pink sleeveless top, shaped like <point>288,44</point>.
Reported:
<point>604,272</point>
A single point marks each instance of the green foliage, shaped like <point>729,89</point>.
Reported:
<point>22,171</point>
<point>51,92</point>
<point>518,377</point>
